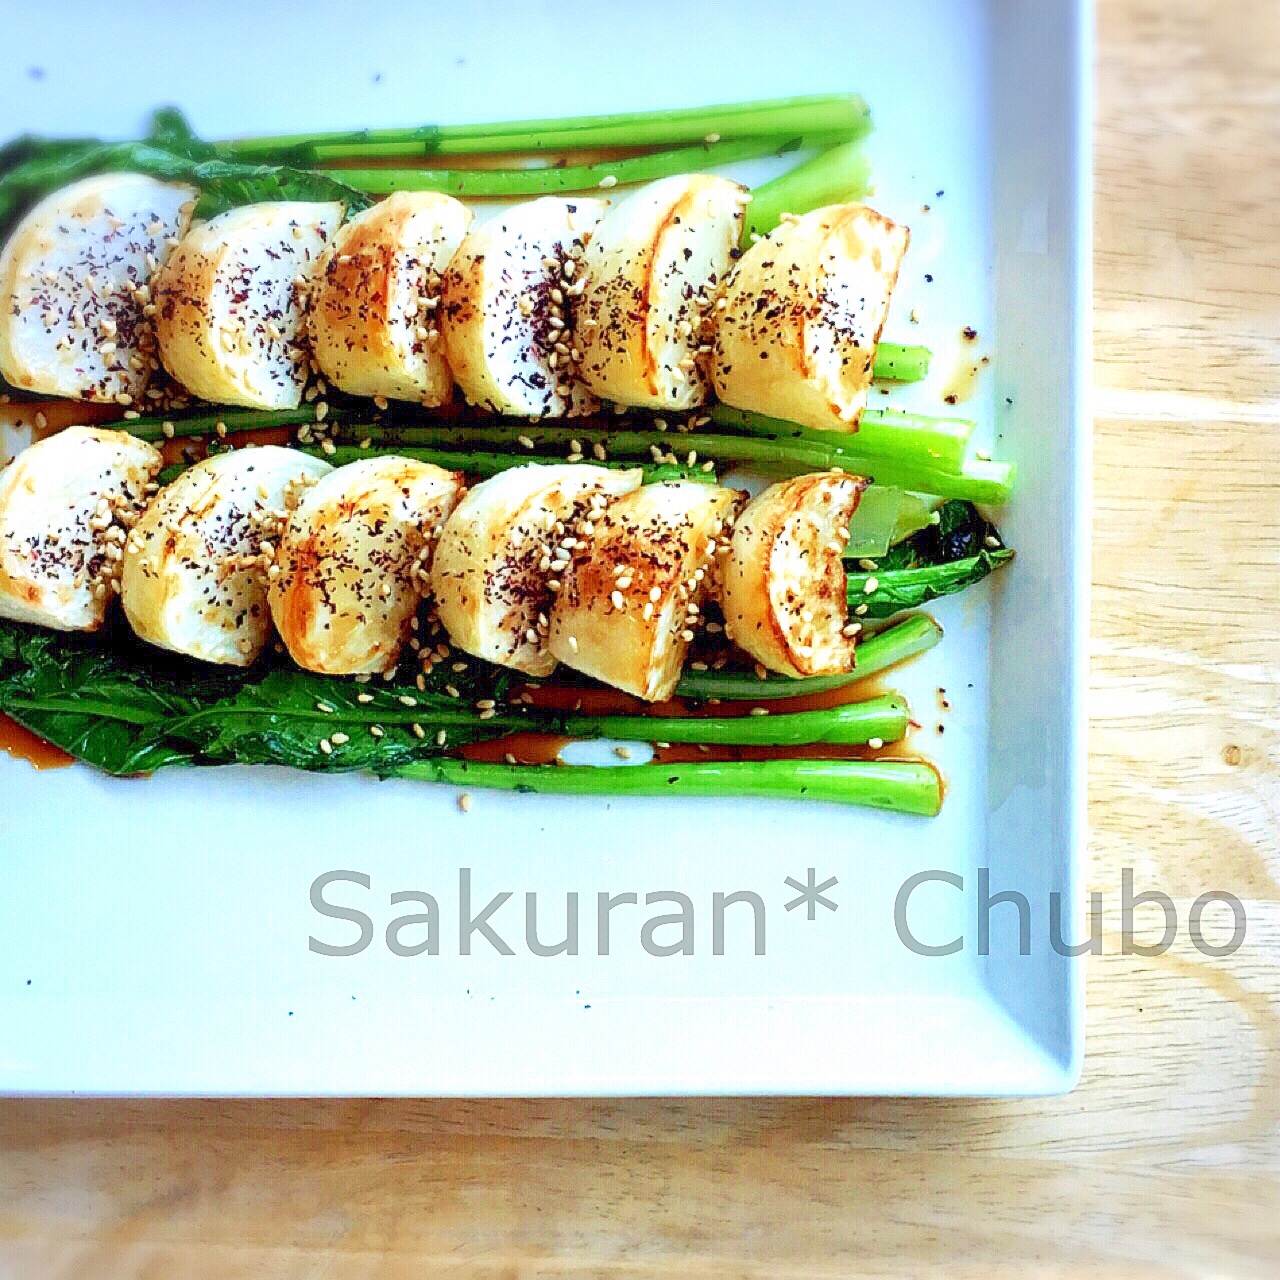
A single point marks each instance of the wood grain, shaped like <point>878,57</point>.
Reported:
<point>1166,1160</point>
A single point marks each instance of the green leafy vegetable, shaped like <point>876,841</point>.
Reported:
<point>833,176</point>
<point>559,179</point>
<point>110,702</point>
<point>100,700</point>
<point>841,115</point>
<point>894,644</point>
<point>31,168</point>
<point>960,531</point>
<point>899,785</point>
<point>959,550</point>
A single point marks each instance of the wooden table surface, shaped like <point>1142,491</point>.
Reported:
<point>1166,1160</point>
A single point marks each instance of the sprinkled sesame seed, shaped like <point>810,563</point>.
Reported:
<point>623,753</point>
<point>339,739</point>
<point>609,180</point>
<point>377,731</point>
<point>442,737</point>
<point>875,743</point>
<point>871,584</point>
<point>759,711</point>
<point>364,697</point>
<point>464,802</point>
<point>326,746</point>
<point>573,643</point>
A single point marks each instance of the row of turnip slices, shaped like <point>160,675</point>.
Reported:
<point>546,309</point>
<point>541,564</point>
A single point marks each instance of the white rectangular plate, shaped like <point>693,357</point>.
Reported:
<point>154,933</point>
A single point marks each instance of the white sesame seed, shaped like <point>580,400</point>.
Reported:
<point>464,802</point>
<point>339,739</point>
<point>573,643</point>
<point>759,711</point>
<point>377,731</point>
<point>871,584</point>
<point>623,753</point>
<point>609,181</point>
<point>326,746</point>
<point>875,743</point>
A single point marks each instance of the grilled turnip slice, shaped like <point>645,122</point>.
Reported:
<point>230,317</point>
<point>782,583</point>
<point>66,506</point>
<point>653,267</point>
<point>195,565</point>
<point>353,560</point>
<point>75,278</point>
<point>507,303</point>
<point>633,590</point>
<point>374,330</point>
<point>499,559</point>
<point>797,326</point>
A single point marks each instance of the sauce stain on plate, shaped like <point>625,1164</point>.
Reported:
<point>963,381</point>
<point>22,744</point>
